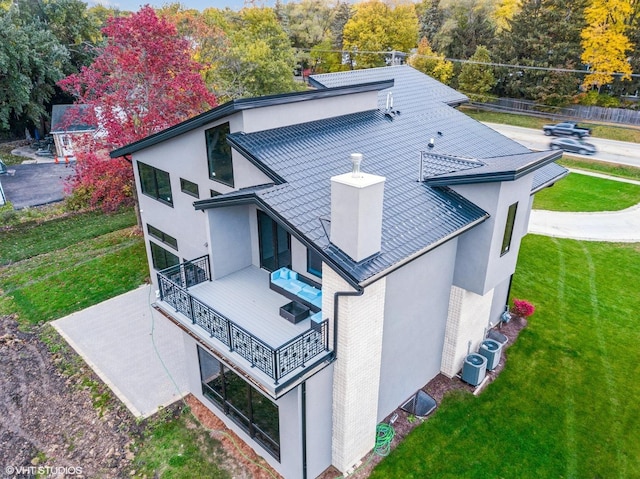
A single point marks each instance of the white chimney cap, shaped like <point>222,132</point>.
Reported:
<point>356,160</point>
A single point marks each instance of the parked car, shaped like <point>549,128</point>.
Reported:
<point>566,128</point>
<point>574,145</point>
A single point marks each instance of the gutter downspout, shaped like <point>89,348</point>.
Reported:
<point>303,392</point>
<point>358,292</point>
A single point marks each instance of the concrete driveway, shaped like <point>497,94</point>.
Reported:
<point>133,348</point>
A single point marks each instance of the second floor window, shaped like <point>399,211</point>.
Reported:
<point>189,187</point>
<point>219,154</point>
<point>155,183</point>
<point>508,229</point>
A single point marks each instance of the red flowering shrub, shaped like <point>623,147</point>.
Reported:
<point>522,308</point>
<point>100,182</point>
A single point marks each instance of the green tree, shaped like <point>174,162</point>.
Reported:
<point>32,60</point>
<point>605,42</point>
<point>378,27</point>
<point>431,18</point>
<point>477,79</point>
<point>431,63</point>
<point>75,27</point>
<point>468,23</point>
<point>258,58</point>
<point>307,23</point>
<point>543,34</point>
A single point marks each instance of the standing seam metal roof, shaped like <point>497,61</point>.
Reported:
<point>416,217</point>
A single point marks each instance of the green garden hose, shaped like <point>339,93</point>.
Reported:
<point>384,436</point>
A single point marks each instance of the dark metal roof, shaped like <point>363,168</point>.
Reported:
<point>417,217</point>
<point>547,176</point>
<point>233,106</point>
<point>500,168</point>
<point>430,90</point>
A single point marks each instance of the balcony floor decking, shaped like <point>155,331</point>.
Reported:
<point>246,299</point>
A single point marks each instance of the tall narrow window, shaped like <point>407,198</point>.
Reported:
<point>508,229</point>
<point>254,413</point>
<point>274,244</point>
<point>219,154</point>
<point>155,183</point>
<point>314,263</point>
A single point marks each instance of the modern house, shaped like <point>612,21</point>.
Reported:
<point>324,254</point>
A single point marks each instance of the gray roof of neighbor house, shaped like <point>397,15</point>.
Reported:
<point>69,119</point>
<point>301,159</point>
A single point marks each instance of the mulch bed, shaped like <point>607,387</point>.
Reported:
<point>437,388</point>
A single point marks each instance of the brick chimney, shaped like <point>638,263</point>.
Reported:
<point>356,211</point>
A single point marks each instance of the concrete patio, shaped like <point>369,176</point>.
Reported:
<point>132,347</point>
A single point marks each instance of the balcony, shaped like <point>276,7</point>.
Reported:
<point>239,313</point>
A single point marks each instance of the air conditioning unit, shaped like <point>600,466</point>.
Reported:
<point>474,369</point>
<point>491,350</point>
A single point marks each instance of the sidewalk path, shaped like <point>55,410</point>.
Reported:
<point>614,226</point>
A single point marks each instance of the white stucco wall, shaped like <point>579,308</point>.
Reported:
<point>415,316</point>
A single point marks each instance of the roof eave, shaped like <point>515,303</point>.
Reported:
<point>234,106</point>
<point>550,182</point>
<point>493,177</point>
<point>256,161</point>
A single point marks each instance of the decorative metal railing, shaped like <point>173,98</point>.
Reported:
<point>274,362</point>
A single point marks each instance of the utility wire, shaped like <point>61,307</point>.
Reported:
<point>475,62</point>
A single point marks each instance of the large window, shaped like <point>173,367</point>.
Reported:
<point>274,244</point>
<point>252,411</point>
<point>161,257</point>
<point>219,154</point>
<point>508,229</point>
<point>155,183</point>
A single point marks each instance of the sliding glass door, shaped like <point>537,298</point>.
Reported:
<point>275,244</point>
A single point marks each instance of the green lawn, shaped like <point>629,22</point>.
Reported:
<point>57,267</point>
<point>612,169</point>
<point>49,269</point>
<point>32,238</point>
<point>610,132</point>
<point>587,193</point>
<point>566,405</point>
<point>178,448</point>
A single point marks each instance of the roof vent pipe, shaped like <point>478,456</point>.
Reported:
<point>356,161</point>
<point>389,101</point>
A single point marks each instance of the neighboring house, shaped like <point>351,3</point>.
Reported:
<point>66,125</point>
<point>401,269</point>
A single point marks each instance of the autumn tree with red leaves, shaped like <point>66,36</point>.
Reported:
<point>142,82</point>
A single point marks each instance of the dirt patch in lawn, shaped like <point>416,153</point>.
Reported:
<point>436,388</point>
<point>246,464</point>
<point>49,420</point>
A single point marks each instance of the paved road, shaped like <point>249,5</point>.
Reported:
<point>35,184</point>
<point>608,150</point>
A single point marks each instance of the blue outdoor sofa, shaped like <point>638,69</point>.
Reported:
<point>289,284</point>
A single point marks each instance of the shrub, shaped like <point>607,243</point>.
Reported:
<point>522,308</point>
